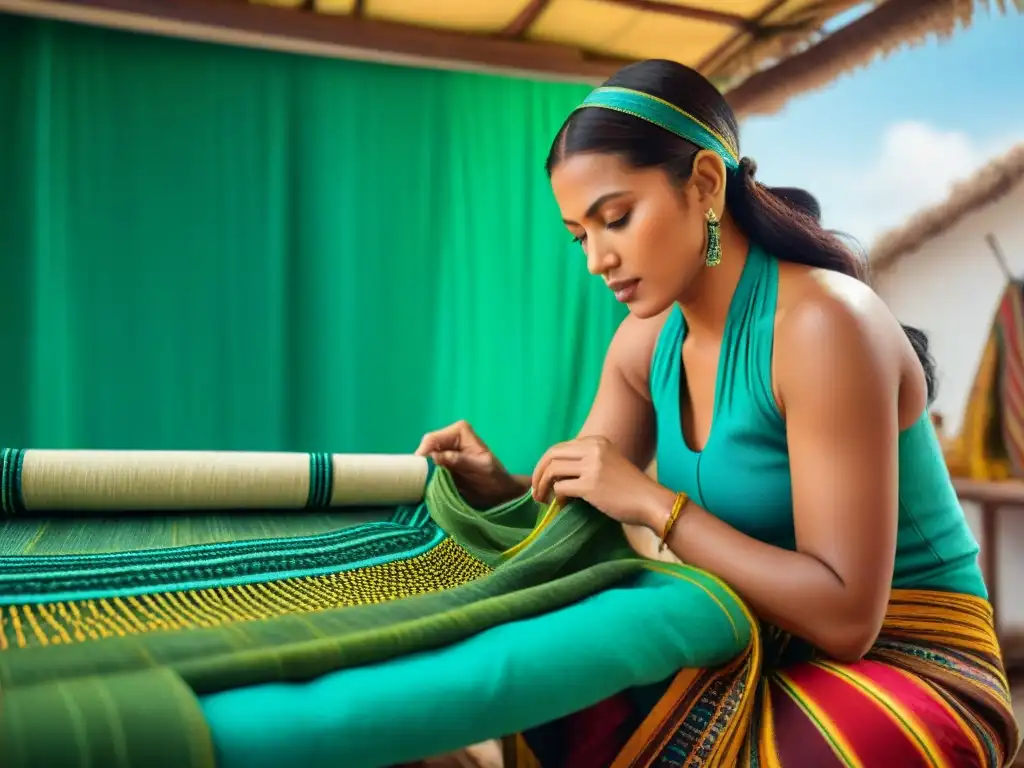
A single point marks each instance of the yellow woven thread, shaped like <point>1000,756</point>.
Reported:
<point>552,511</point>
<point>445,566</point>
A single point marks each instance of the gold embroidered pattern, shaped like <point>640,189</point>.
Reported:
<point>34,625</point>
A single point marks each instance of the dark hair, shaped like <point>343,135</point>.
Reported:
<point>783,221</point>
<point>800,199</point>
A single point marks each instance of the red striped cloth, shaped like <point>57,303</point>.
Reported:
<point>1010,329</point>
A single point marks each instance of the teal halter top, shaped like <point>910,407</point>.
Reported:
<point>742,474</point>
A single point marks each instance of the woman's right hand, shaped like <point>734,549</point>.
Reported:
<point>479,476</point>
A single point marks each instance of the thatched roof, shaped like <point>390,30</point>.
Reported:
<point>762,51</point>
<point>994,181</point>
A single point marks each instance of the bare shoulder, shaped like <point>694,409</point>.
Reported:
<point>815,302</point>
<point>820,307</point>
<point>831,328</point>
<point>632,348</point>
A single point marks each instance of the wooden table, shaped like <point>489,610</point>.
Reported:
<point>991,496</point>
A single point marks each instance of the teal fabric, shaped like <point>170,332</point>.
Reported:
<point>664,115</point>
<point>743,476</point>
<point>935,548</point>
<point>483,687</point>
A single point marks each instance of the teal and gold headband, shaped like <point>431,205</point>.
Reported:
<point>664,115</point>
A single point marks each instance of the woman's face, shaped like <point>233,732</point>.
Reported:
<point>640,231</point>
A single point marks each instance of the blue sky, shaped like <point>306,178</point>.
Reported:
<point>885,141</point>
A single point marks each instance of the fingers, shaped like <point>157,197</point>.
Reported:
<point>462,461</point>
<point>445,458</point>
<point>568,489</point>
<point>446,439</point>
<point>454,437</point>
<point>538,472</point>
<point>426,446</point>
<point>571,449</point>
<point>555,469</point>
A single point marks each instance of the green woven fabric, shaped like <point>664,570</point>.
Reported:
<point>87,535</point>
<point>98,695</point>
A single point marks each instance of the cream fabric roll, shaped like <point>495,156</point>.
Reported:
<point>176,480</point>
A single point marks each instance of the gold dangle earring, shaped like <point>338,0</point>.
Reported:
<point>713,255</point>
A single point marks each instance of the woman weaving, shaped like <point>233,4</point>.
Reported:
<point>787,410</point>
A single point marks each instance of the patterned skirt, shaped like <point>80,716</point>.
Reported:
<point>931,693</point>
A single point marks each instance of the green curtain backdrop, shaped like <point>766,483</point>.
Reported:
<point>215,248</point>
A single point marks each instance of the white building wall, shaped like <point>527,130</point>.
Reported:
<point>949,288</point>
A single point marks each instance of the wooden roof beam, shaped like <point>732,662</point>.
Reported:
<point>521,24</point>
<point>889,26</point>
<point>234,22</point>
<point>690,12</point>
<point>727,45</point>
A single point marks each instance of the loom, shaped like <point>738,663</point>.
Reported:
<point>230,609</point>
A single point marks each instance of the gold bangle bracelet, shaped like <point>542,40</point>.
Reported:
<point>677,507</point>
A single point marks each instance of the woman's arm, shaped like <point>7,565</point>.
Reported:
<point>838,373</point>
<point>622,411</point>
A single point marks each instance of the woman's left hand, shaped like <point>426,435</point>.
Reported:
<point>593,469</point>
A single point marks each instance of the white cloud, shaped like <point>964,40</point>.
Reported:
<point>916,166</point>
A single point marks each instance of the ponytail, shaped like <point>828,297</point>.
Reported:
<point>786,223</point>
<point>658,114</point>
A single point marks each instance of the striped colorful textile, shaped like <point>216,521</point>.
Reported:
<point>1009,328</point>
<point>931,693</point>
